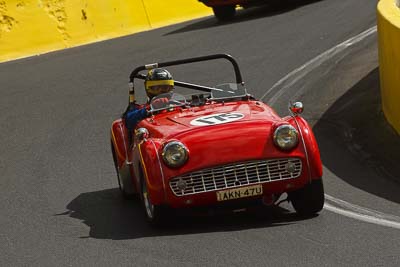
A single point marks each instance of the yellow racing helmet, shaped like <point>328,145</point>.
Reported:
<point>158,81</point>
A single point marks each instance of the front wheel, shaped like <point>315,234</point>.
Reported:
<point>224,13</point>
<point>154,213</point>
<point>310,199</point>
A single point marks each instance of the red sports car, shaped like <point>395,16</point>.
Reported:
<point>216,147</point>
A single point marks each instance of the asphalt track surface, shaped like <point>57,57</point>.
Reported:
<point>60,202</point>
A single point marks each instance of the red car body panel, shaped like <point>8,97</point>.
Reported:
<point>246,139</point>
<point>119,140</point>
<point>313,154</point>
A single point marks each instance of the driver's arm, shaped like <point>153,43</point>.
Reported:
<point>133,117</point>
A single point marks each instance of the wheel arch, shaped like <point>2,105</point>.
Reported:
<point>310,145</point>
<point>119,141</point>
<point>150,170</point>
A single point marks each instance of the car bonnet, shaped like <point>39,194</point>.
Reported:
<point>207,118</point>
<point>217,114</point>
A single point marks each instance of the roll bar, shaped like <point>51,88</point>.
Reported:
<point>136,73</point>
<point>187,61</point>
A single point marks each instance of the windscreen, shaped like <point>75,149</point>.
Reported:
<point>229,90</point>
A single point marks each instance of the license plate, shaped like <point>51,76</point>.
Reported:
<point>241,192</point>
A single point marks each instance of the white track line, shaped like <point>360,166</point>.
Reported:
<point>302,71</point>
<point>359,213</point>
<point>340,206</point>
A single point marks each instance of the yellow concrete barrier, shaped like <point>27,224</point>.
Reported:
<point>32,27</point>
<point>388,14</point>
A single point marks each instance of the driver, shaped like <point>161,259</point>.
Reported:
<point>158,81</point>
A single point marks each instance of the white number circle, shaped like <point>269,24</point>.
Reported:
<point>216,119</point>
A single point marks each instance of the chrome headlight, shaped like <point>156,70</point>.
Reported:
<point>286,137</point>
<point>175,154</point>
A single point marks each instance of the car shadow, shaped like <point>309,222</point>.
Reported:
<point>266,10</point>
<point>356,142</point>
<point>111,217</point>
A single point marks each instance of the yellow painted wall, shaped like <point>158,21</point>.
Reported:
<point>389,59</point>
<point>162,12</point>
<point>31,27</point>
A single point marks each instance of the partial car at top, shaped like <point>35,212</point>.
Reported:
<point>225,9</point>
<point>218,146</point>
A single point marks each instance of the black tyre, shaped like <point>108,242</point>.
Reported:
<point>125,187</point>
<point>155,214</point>
<point>224,13</point>
<point>310,199</point>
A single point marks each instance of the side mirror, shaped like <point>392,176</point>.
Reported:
<point>296,108</point>
<point>141,134</point>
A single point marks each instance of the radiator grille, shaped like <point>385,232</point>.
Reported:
<point>237,174</point>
